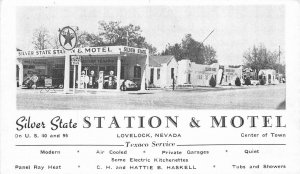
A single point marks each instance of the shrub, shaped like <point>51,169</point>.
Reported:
<point>212,82</point>
<point>262,82</point>
<point>237,82</point>
<point>247,81</point>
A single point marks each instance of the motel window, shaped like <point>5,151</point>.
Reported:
<point>137,72</point>
<point>158,73</point>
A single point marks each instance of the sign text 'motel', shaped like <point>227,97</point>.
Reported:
<point>82,51</point>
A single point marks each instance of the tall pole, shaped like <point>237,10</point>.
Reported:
<point>74,78</point>
<point>279,59</point>
<point>127,38</point>
<point>208,36</point>
<point>279,54</point>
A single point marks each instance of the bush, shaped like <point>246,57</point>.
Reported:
<point>262,82</point>
<point>247,81</point>
<point>237,82</point>
<point>212,82</point>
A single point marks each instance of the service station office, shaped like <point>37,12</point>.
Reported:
<point>121,62</point>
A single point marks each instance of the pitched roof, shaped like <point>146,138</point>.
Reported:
<point>156,61</point>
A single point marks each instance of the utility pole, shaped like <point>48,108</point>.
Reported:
<point>127,38</point>
<point>279,54</point>
<point>279,60</point>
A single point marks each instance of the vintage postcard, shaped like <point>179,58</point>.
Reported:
<point>150,87</point>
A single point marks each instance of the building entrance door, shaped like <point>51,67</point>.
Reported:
<point>151,75</point>
<point>189,79</point>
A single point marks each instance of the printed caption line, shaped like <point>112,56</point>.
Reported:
<point>231,144</point>
<point>69,145</point>
<point>177,145</point>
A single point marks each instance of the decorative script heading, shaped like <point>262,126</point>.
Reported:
<point>59,122</point>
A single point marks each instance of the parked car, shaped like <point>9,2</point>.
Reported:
<point>128,85</point>
<point>254,82</point>
<point>29,81</point>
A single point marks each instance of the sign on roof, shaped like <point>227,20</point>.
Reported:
<point>41,53</point>
<point>82,51</point>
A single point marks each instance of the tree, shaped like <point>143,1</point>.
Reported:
<point>280,68</point>
<point>247,81</point>
<point>209,55</point>
<point>41,38</point>
<point>212,82</point>
<point>54,42</point>
<point>113,33</point>
<point>193,50</point>
<point>175,50</point>
<point>150,47</point>
<point>86,39</point>
<point>259,58</point>
<point>237,82</point>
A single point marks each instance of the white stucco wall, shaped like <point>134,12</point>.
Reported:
<point>199,74</point>
<point>184,68</point>
<point>269,72</point>
<point>165,79</point>
<point>230,75</point>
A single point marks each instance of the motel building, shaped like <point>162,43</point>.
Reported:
<point>269,75</point>
<point>162,70</point>
<point>193,74</point>
<point>231,73</point>
<point>94,66</point>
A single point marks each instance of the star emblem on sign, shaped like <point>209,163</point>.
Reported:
<point>67,38</point>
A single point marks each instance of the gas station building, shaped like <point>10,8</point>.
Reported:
<point>122,62</point>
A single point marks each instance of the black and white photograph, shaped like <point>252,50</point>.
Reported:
<point>151,57</point>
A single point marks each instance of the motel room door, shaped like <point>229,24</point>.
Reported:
<point>151,76</point>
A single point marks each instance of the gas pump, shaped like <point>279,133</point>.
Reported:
<point>101,80</point>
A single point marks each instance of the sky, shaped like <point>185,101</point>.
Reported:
<point>236,28</point>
